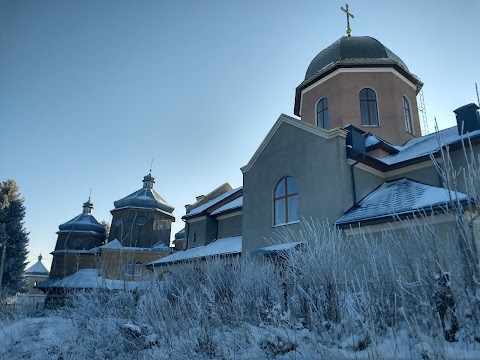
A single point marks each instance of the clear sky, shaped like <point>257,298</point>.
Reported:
<point>91,91</point>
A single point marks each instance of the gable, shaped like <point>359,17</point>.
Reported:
<point>283,120</point>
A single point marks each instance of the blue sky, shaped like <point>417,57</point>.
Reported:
<point>91,91</point>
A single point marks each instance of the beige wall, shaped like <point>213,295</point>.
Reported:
<point>342,92</point>
<point>427,245</point>
<point>112,262</point>
<point>32,282</point>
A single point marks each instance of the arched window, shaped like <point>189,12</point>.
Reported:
<point>138,268</point>
<point>286,201</point>
<point>368,107</point>
<point>129,268</point>
<point>322,113</point>
<point>407,115</point>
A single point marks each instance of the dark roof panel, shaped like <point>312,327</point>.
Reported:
<point>363,48</point>
<point>396,198</point>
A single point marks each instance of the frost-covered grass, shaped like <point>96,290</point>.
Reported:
<point>410,294</point>
<point>311,303</point>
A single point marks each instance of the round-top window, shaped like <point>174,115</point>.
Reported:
<point>141,220</point>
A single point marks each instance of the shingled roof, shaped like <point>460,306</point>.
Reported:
<point>398,198</point>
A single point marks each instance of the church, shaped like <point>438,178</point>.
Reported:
<point>86,257</point>
<point>353,156</point>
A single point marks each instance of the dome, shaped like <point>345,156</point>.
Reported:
<point>145,198</point>
<point>352,50</point>
<point>85,222</point>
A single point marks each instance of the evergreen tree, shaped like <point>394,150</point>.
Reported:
<point>14,236</point>
<point>106,226</point>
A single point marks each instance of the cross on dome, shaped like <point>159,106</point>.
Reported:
<point>349,15</point>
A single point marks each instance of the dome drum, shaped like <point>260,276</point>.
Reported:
<point>355,52</point>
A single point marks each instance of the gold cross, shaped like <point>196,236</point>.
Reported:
<point>349,15</point>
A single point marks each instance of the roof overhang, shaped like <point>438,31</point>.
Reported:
<point>341,67</point>
<point>427,211</point>
<point>380,165</point>
<point>278,249</point>
<point>143,209</point>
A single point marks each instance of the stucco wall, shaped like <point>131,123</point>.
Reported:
<point>435,247</point>
<point>32,281</point>
<point>197,230</point>
<point>427,175</point>
<point>460,162</point>
<point>230,226</point>
<point>365,182</point>
<point>320,169</point>
<point>342,92</point>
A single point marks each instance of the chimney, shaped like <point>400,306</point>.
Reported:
<point>468,118</point>
<point>356,139</point>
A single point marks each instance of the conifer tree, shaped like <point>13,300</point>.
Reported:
<point>14,237</point>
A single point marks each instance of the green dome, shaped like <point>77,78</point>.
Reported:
<point>352,50</point>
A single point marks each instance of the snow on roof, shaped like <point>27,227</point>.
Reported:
<point>201,208</point>
<point>144,198</point>
<point>398,198</point>
<point>236,203</point>
<point>426,145</point>
<point>371,140</point>
<point>37,269</point>
<point>83,223</point>
<point>89,279</point>
<point>232,245</point>
<point>277,248</point>
<point>116,245</point>
<point>75,251</point>
<point>160,246</point>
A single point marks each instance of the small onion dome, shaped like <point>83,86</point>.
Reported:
<point>88,207</point>
<point>145,198</point>
<point>148,181</point>
<point>85,222</point>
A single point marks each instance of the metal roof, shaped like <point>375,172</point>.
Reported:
<point>82,223</point>
<point>220,247</point>
<point>144,198</point>
<point>37,269</point>
<point>363,48</point>
<point>203,208</point>
<point>397,198</point>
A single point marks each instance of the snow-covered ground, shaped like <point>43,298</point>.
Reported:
<point>53,337</point>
